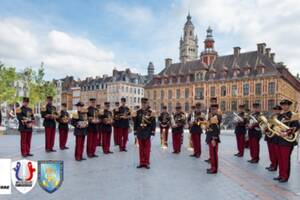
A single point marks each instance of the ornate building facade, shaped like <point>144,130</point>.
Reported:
<point>238,78</point>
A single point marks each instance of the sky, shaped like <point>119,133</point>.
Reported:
<point>91,37</point>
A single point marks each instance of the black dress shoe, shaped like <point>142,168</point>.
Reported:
<point>272,169</point>
<point>268,168</point>
<point>236,154</point>
<point>174,152</point>
<point>30,154</point>
<point>211,172</point>
<point>110,152</point>
<point>240,155</point>
<point>83,158</point>
<point>208,160</point>
<point>125,150</point>
<point>140,166</point>
<point>250,161</point>
<point>147,166</point>
<point>276,178</point>
<point>52,150</point>
<point>283,180</point>
<point>95,156</point>
<point>193,155</point>
<point>66,147</point>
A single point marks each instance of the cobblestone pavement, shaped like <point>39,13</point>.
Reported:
<point>171,176</point>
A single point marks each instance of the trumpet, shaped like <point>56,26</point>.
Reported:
<point>28,120</point>
<point>237,117</point>
<point>146,119</point>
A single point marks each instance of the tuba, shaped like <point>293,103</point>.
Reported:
<point>265,126</point>
<point>282,130</point>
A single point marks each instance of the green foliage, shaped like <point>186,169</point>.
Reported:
<point>38,87</point>
<point>8,76</point>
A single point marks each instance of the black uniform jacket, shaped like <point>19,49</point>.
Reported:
<point>61,123</point>
<point>79,117</point>
<point>124,111</point>
<point>116,117</point>
<point>285,118</point>
<point>180,120</point>
<point>254,131</point>
<point>164,120</point>
<point>48,110</point>
<point>144,123</point>
<point>214,129</point>
<point>25,113</point>
<point>240,127</point>
<point>194,127</point>
<point>106,119</point>
<point>93,114</point>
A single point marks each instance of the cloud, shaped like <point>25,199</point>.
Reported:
<point>62,53</point>
<point>135,19</point>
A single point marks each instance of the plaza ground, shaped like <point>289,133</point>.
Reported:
<point>173,177</point>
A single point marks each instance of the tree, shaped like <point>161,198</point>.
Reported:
<point>8,76</point>
<point>39,88</point>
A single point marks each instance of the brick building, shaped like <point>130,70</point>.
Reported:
<point>238,78</point>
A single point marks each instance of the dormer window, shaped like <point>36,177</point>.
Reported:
<point>247,71</point>
<point>199,76</point>
<point>212,75</point>
<point>260,69</point>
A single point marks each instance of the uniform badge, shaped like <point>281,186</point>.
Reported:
<point>50,176</point>
<point>24,175</point>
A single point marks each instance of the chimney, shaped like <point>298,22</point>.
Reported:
<point>168,62</point>
<point>268,52</point>
<point>272,56</point>
<point>261,47</point>
<point>236,51</point>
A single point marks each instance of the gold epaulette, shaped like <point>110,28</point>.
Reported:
<point>84,110</point>
<point>134,113</point>
<point>43,108</point>
<point>153,113</point>
<point>220,112</point>
<point>75,115</point>
<point>18,110</point>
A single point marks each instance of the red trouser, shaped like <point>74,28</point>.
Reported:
<point>240,141</point>
<point>25,142</point>
<point>166,134</point>
<point>177,140</point>
<point>106,142</point>
<point>49,138</point>
<point>213,154</point>
<point>273,154</point>
<point>63,136</point>
<point>123,138</point>
<point>254,148</point>
<point>79,146</point>
<point>196,140</point>
<point>91,143</point>
<point>144,151</point>
<point>116,131</point>
<point>99,140</point>
<point>284,156</point>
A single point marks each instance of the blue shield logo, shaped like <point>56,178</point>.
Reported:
<point>50,174</point>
